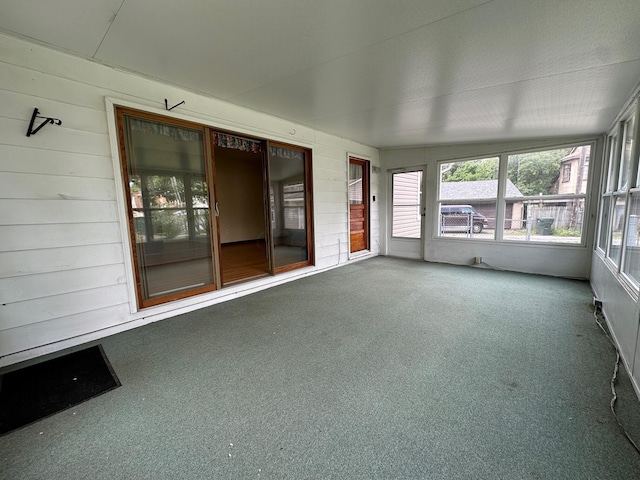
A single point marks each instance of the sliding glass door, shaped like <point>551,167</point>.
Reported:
<point>207,209</point>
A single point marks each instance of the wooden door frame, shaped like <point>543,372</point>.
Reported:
<point>366,188</point>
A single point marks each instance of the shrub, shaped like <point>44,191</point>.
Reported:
<point>566,232</point>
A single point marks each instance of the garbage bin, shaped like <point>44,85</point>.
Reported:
<point>543,225</point>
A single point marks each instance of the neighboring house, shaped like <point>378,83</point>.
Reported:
<point>574,171</point>
<point>481,194</point>
<point>572,179</point>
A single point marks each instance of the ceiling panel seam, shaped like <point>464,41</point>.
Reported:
<point>111,20</point>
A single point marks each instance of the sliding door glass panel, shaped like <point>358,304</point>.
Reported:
<point>632,249</point>
<point>407,198</point>
<point>169,198</point>
<point>288,193</point>
<point>617,226</point>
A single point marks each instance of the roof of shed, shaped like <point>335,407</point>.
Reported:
<point>476,189</point>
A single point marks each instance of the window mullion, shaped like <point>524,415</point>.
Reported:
<point>501,205</point>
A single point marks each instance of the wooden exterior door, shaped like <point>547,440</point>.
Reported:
<point>358,205</point>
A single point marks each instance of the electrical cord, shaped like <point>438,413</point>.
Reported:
<point>614,378</point>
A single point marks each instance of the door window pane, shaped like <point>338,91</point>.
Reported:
<point>166,179</point>
<point>356,187</point>
<point>407,194</point>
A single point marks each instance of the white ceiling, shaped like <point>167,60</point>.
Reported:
<point>383,72</point>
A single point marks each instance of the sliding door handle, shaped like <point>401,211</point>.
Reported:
<point>217,210</point>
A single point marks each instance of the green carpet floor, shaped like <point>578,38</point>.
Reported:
<point>383,369</point>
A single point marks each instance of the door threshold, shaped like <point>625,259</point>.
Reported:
<point>361,253</point>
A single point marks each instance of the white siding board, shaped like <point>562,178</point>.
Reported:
<point>329,151</point>
<point>36,212</point>
<point>30,262</point>
<point>28,287</point>
<point>339,188</point>
<point>333,228</point>
<point>324,208</point>
<point>622,313</point>
<point>39,85</point>
<point>17,106</point>
<point>47,162</point>
<point>338,165</point>
<point>55,187</point>
<point>42,309</point>
<point>326,240</point>
<point>329,175</point>
<point>328,256</point>
<point>62,328</point>
<point>33,237</point>
<point>331,197</point>
<point>325,219</point>
<point>54,137</point>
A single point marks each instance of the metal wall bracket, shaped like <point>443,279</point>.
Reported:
<point>166,105</point>
<point>32,131</point>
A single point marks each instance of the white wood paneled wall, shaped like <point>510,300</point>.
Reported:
<point>63,275</point>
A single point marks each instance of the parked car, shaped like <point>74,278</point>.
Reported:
<point>459,218</point>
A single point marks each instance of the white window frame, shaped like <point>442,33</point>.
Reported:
<point>501,199</point>
<point>611,176</point>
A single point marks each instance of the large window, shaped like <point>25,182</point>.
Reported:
<point>175,172</point>
<point>620,191</point>
<point>545,195</point>
<point>407,197</point>
<point>467,198</point>
<point>619,229</point>
<point>542,196</point>
<point>607,190</point>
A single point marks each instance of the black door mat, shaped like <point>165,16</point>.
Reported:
<point>38,391</point>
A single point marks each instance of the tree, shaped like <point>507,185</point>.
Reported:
<point>470,171</point>
<point>536,173</point>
